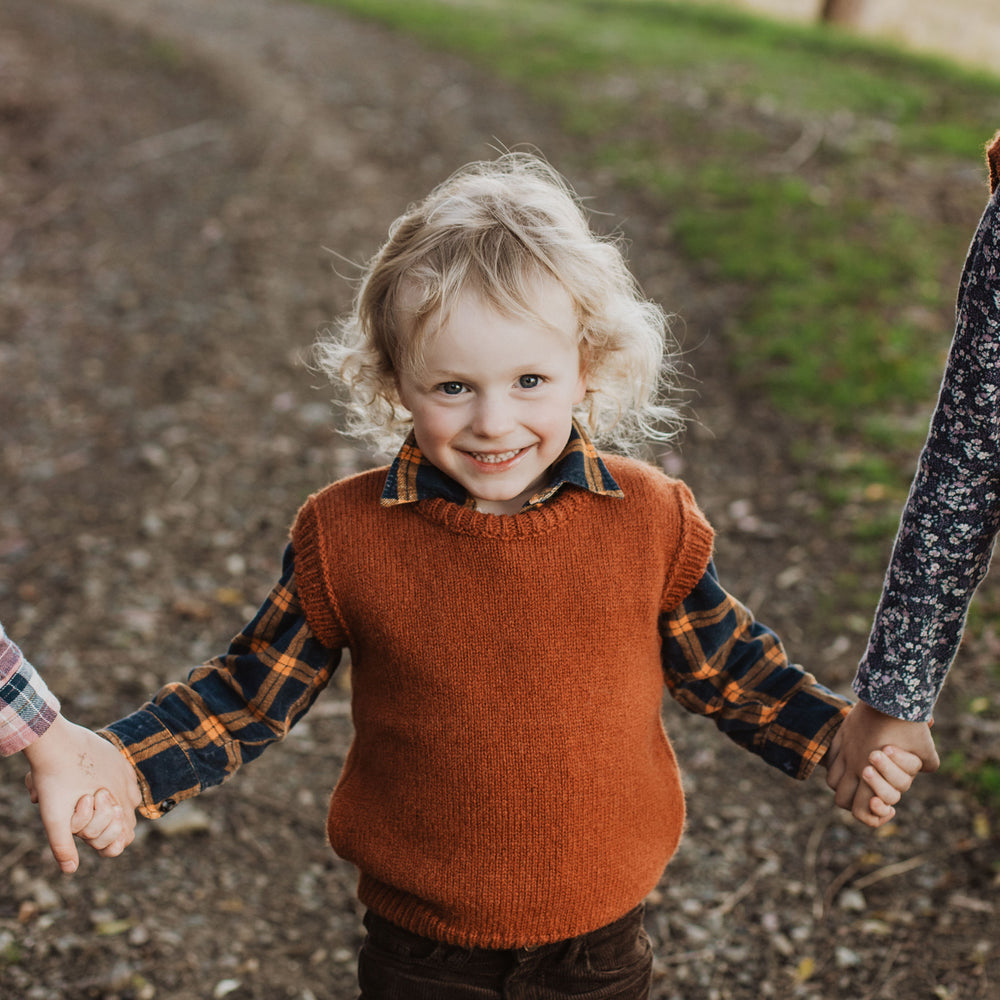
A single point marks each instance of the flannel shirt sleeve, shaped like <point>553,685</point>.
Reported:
<point>196,734</point>
<point>27,707</point>
<point>719,662</point>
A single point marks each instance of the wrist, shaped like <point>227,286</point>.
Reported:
<point>47,745</point>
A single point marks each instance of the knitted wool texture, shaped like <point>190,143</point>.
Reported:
<point>510,782</point>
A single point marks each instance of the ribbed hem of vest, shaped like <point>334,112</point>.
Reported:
<point>413,915</point>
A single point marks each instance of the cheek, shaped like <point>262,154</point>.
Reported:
<point>435,422</point>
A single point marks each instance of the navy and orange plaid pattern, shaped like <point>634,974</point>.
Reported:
<point>720,662</point>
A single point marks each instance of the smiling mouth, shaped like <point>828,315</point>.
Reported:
<point>494,457</point>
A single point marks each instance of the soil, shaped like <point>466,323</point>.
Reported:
<point>184,186</point>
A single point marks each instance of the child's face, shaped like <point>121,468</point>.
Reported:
<point>493,403</point>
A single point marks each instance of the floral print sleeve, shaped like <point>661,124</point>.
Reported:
<point>952,515</point>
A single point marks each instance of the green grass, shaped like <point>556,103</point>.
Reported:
<point>547,44</point>
<point>981,777</point>
<point>773,152</point>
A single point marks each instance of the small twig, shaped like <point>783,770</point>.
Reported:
<point>767,866</point>
<point>812,861</point>
<point>11,858</point>
<point>837,884</point>
<point>888,871</point>
<point>883,973</point>
<point>902,867</point>
<point>899,868</point>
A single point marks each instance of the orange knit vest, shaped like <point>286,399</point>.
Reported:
<point>510,782</point>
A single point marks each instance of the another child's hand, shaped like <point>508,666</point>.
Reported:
<point>889,773</point>
<point>864,731</point>
<point>99,821</point>
<point>70,766</point>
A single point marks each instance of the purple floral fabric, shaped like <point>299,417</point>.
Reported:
<point>952,515</point>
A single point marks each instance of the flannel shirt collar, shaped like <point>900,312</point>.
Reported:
<point>412,478</point>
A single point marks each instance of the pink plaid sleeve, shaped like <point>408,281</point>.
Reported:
<point>27,707</point>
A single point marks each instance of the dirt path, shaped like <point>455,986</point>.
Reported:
<point>165,205</point>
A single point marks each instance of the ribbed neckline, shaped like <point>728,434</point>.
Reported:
<point>524,524</point>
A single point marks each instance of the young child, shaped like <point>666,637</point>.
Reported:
<point>512,602</point>
<point>946,532</point>
<point>75,804</point>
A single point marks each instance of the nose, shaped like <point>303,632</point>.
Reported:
<point>492,416</point>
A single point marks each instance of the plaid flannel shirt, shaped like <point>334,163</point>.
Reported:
<point>717,661</point>
<point>27,707</point>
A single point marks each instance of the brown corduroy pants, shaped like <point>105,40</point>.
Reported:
<point>611,963</point>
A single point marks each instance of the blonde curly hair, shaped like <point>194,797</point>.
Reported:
<point>494,228</point>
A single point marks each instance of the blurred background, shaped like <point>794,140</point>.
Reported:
<point>966,31</point>
<point>186,190</point>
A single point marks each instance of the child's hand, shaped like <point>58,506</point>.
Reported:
<point>99,821</point>
<point>863,731</point>
<point>69,765</point>
<point>889,773</point>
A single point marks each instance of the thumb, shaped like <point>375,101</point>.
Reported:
<point>59,831</point>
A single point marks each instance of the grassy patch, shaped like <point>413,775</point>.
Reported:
<point>981,777</point>
<point>775,153</point>
<point>543,44</point>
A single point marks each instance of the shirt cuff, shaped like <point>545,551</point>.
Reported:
<point>27,706</point>
<point>166,775</point>
<point>800,737</point>
<point>902,690</point>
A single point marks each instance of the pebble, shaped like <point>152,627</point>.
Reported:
<point>186,819</point>
<point>853,900</point>
<point>846,958</point>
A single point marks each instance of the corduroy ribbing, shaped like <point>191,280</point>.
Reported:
<point>510,782</point>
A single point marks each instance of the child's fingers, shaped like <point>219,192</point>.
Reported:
<point>886,778</point>
<point>82,814</point>
<point>881,810</point>
<point>909,762</point>
<point>118,834</point>
<point>835,770</point>
<point>106,825</point>
<point>845,789</point>
<point>896,766</point>
<point>880,787</point>
<point>118,845</point>
<point>870,809</point>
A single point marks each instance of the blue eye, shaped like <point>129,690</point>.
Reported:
<point>529,381</point>
<point>451,388</point>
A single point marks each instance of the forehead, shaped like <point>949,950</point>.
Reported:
<point>478,333</point>
<point>541,301</point>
